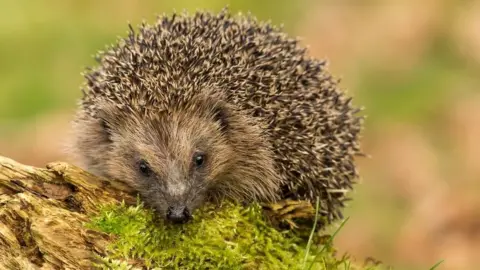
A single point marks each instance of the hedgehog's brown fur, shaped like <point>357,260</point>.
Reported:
<point>272,119</point>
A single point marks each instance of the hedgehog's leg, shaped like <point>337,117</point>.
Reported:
<point>289,211</point>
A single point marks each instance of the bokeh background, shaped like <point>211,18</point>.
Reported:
<point>414,65</point>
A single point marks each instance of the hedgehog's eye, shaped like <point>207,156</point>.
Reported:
<point>199,159</point>
<point>144,168</point>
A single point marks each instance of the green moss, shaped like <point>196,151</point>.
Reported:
<point>220,237</point>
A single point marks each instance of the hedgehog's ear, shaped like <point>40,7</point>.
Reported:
<point>220,115</point>
<point>106,129</point>
<point>109,121</point>
<point>105,125</point>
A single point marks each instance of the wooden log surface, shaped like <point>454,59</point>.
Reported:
<point>42,211</point>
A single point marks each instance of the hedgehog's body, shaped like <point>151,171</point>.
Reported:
<point>209,105</point>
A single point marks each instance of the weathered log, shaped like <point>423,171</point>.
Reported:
<point>42,212</point>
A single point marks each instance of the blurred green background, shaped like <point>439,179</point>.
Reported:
<point>414,65</point>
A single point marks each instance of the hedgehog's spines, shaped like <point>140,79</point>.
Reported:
<point>310,125</point>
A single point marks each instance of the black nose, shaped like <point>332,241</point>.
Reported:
<point>178,214</point>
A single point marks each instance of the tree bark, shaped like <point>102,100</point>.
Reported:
<point>42,212</point>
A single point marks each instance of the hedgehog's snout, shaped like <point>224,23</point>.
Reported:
<point>178,214</point>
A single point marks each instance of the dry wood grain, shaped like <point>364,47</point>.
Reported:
<point>42,212</point>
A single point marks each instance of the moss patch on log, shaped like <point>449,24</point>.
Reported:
<point>228,236</point>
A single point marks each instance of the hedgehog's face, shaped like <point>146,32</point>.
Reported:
<point>173,161</point>
<point>178,160</point>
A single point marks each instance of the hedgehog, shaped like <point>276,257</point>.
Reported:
<point>208,106</point>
